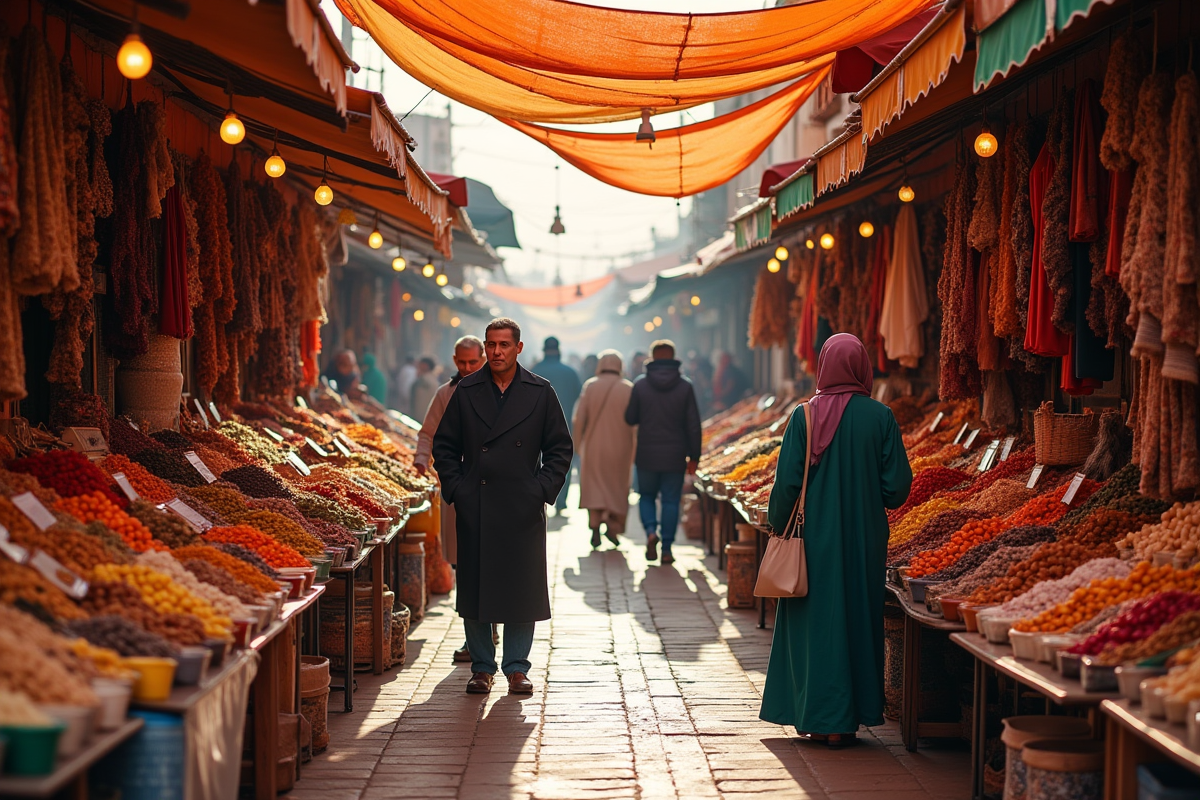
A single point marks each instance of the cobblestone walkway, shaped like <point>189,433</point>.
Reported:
<point>645,687</point>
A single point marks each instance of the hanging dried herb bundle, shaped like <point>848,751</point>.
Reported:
<point>1022,245</point>
<point>1005,315</point>
<point>274,369</point>
<point>10,213</point>
<point>1056,214</point>
<point>160,171</point>
<point>1180,312</point>
<point>132,260</point>
<point>1124,75</point>
<point>216,273</point>
<point>43,250</point>
<point>959,374</point>
<point>311,265</point>
<point>933,251</point>
<point>195,286</point>
<point>12,354</point>
<point>769,310</point>
<point>1144,247</point>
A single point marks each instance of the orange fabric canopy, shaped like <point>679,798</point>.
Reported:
<point>585,40</point>
<point>550,296</point>
<point>686,160</point>
<point>505,90</point>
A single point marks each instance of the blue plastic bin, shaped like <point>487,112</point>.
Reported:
<point>150,766</point>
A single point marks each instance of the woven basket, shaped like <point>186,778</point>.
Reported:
<point>1063,439</point>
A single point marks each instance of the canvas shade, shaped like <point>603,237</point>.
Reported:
<point>590,41</point>
<point>685,160</point>
<point>549,296</point>
<point>505,90</point>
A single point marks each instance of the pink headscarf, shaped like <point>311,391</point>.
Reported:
<point>843,370</point>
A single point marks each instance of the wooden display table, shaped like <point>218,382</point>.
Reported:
<point>1132,737</point>
<point>72,773</point>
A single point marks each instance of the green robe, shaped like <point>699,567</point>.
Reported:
<point>826,669</point>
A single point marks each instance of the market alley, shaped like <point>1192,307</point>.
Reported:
<point>646,687</point>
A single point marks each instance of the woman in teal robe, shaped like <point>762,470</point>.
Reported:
<point>825,674</point>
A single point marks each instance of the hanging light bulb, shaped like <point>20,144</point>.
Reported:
<point>809,244</point>
<point>442,279</point>
<point>399,264</point>
<point>985,143</point>
<point>906,194</point>
<point>323,195</point>
<point>781,253</point>
<point>406,296</point>
<point>695,300</point>
<point>866,229</point>
<point>418,315</point>
<point>134,59</point>
<point>556,227</point>
<point>455,322</point>
<point>827,241</point>
<point>773,265</point>
<point>232,129</point>
<point>467,288</point>
<point>375,240</point>
<point>648,327</point>
<point>428,270</point>
<point>275,166</point>
<point>645,130</point>
<point>657,321</point>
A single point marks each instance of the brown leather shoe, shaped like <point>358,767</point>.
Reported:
<point>480,683</point>
<point>518,683</point>
<point>462,655</point>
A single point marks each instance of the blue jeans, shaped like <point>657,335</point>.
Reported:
<point>518,641</point>
<point>651,485</point>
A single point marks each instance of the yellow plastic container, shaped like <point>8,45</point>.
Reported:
<point>155,677</point>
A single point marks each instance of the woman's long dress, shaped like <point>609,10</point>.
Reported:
<point>826,669</point>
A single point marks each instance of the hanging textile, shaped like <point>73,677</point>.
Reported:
<point>1089,185</point>
<point>505,90</point>
<point>174,309</point>
<point>905,307</point>
<point>959,376</point>
<point>1056,214</point>
<point>1041,336</point>
<point>1181,316</point>
<point>685,160</point>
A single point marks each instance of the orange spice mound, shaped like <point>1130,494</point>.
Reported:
<point>1088,601</point>
<point>973,534</point>
<point>151,488</point>
<point>96,507</point>
<point>274,553</point>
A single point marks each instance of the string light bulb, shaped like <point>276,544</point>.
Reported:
<point>418,315</point>
<point>428,270</point>
<point>134,59</point>
<point>375,240</point>
<point>781,253</point>
<point>827,241</point>
<point>809,244</point>
<point>773,265</point>
<point>648,327</point>
<point>985,143</point>
<point>406,296</point>
<point>695,300</point>
<point>455,322</point>
<point>866,229</point>
<point>399,264</point>
<point>323,195</point>
<point>657,321</point>
<point>275,166</point>
<point>442,279</point>
<point>906,194</point>
<point>232,129</point>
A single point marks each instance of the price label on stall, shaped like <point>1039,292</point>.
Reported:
<point>203,413</point>
<point>212,407</point>
<point>200,466</point>
<point>59,575</point>
<point>1034,475</point>
<point>341,447</point>
<point>11,549</point>
<point>272,434</point>
<point>961,433</point>
<point>126,486</point>
<point>989,456</point>
<point>299,464</point>
<point>321,451</point>
<point>971,439</point>
<point>301,402</point>
<point>1073,489</point>
<point>1008,446</point>
<point>189,515</point>
<point>345,439</point>
<point>941,415</point>
<point>32,507</point>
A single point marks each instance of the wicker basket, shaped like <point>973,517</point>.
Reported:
<point>1063,439</point>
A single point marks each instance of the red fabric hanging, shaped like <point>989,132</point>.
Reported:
<point>806,335</point>
<point>1121,192</point>
<point>1076,387</point>
<point>1041,336</point>
<point>310,348</point>
<point>1089,181</point>
<point>174,311</point>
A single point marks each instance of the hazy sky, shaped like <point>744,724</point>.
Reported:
<point>602,222</point>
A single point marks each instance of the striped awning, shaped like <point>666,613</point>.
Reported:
<point>793,194</point>
<point>752,225</point>
<point>840,160</point>
<point>1024,27</point>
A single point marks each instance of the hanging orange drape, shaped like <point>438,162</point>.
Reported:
<point>549,296</point>
<point>590,41</point>
<point>683,161</point>
<point>504,90</point>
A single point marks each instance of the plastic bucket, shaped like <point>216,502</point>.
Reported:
<point>1020,730</point>
<point>193,665</point>
<point>114,696</point>
<point>80,722</point>
<point>31,749</point>
<point>155,676</point>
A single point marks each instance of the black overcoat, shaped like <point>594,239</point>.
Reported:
<point>500,468</point>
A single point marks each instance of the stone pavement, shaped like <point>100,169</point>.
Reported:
<point>646,686</point>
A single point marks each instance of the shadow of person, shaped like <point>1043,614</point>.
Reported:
<point>604,578</point>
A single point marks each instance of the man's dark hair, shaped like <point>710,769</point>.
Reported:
<point>660,345</point>
<point>504,324</point>
<point>429,362</point>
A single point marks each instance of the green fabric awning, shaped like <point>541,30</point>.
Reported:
<point>754,228</point>
<point>1010,40</point>
<point>796,195</point>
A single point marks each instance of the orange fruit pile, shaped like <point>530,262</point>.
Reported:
<point>95,506</point>
<point>971,535</point>
<point>1088,601</point>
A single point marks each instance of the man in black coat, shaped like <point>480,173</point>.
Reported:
<point>663,406</point>
<point>502,451</point>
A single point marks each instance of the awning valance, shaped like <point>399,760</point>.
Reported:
<point>794,195</point>
<point>840,160</point>
<point>752,225</point>
<point>1024,27</point>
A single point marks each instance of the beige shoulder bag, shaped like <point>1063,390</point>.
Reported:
<point>784,571</point>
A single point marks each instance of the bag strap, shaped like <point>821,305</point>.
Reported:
<point>795,524</point>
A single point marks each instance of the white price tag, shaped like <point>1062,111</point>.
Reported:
<point>941,415</point>
<point>11,549</point>
<point>989,456</point>
<point>203,413</point>
<point>321,451</point>
<point>971,439</point>
<point>1008,446</point>
<point>272,434</point>
<point>961,433</point>
<point>344,450</point>
<point>301,402</point>
<point>126,486</point>
<point>32,507</point>
<point>189,515</point>
<point>200,466</point>
<point>345,439</point>
<point>1073,489</point>
<point>1034,475</point>
<point>212,407</point>
<point>299,464</point>
<point>59,575</point>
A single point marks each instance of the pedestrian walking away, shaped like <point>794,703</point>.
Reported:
<point>502,451</point>
<point>605,442</point>
<point>567,385</point>
<point>663,406</point>
<point>468,357</point>
<point>825,674</point>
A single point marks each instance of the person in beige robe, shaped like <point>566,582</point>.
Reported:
<point>605,443</point>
